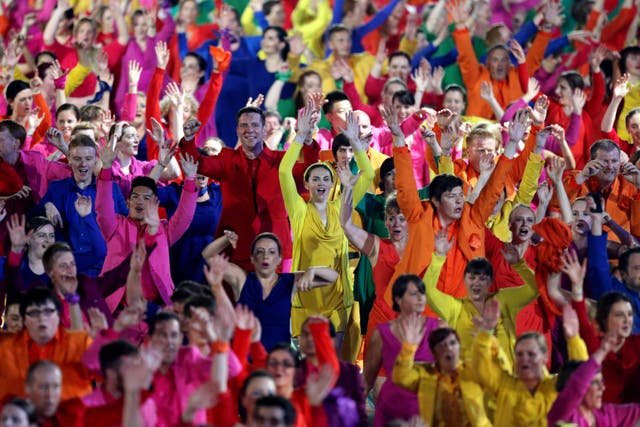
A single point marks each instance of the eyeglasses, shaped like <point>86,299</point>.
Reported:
<point>36,312</point>
<point>276,363</point>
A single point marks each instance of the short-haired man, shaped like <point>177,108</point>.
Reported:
<point>273,411</point>
<point>248,176</point>
<point>68,204</point>
<point>43,338</point>
<point>43,387</point>
<point>616,184</point>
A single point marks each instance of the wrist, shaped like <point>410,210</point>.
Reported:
<point>72,298</point>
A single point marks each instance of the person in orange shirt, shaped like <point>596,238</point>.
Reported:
<point>446,210</point>
<point>616,184</point>
<point>43,338</point>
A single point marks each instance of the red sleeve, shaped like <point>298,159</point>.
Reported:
<point>614,33</point>
<point>223,414</point>
<point>318,417</point>
<point>11,182</point>
<point>351,91</point>
<point>523,77</point>
<point>373,89</point>
<point>325,351</point>
<point>40,132</point>
<point>587,333</point>
<point>210,98</point>
<point>595,105</point>
<point>259,355</point>
<point>240,346</point>
<point>153,110</point>
<point>114,51</point>
<point>430,98</point>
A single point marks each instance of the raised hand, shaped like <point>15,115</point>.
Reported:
<point>490,316</point>
<point>444,118</point>
<point>533,88</point>
<point>555,168</point>
<point>435,81</point>
<point>215,270</point>
<point>553,14</point>
<point>486,91</point>
<point>135,71</point>
<point>191,128</point>
<point>107,120</point>
<point>306,120</point>
<point>55,138</point>
<point>597,56</point>
<point>109,152</point>
<point>17,234</point>
<point>570,322</point>
<point>319,384</point>
<point>518,126</point>
<point>189,165</point>
<point>593,167</point>
<point>83,205</point>
<point>56,71</point>
<point>459,12</point>
<point>517,51</point>
<point>36,85</point>
<point>382,53</point>
<point>53,214</point>
<point>545,193</point>
<point>412,328</point>
<point>256,103</point>
<point>539,110</point>
<point>421,77</point>
<point>578,100</point>
<point>442,244</point>
<point>448,137</point>
<point>317,100</point>
<point>129,317</point>
<point>621,87</point>
<point>574,270</point>
<point>157,132</point>
<point>487,164</point>
<point>175,94</point>
<point>352,131</point>
<point>97,321</point>
<point>35,118</point>
<point>297,45</point>
<point>162,54</point>
<point>347,178</point>
<point>631,173</point>
<point>151,217</point>
<point>390,116</point>
<point>232,237</point>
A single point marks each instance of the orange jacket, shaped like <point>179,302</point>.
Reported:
<point>423,221</point>
<point>66,350</point>
<point>620,200</point>
<point>473,73</point>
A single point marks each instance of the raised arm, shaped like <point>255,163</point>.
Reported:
<point>444,305</point>
<point>181,220</point>
<point>620,90</point>
<point>105,207</point>
<point>405,373</point>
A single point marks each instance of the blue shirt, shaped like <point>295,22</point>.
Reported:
<point>82,233</point>
<point>601,280</point>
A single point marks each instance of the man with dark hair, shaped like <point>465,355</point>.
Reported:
<point>445,212</point>
<point>42,338</point>
<point>68,204</point>
<point>249,179</point>
<point>616,184</point>
<point>273,411</point>
<point>122,233</point>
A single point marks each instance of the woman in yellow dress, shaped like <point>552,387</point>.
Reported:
<point>318,238</point>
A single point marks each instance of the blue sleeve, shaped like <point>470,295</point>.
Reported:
<point>39,210</point>
<point>338,9</point>
<point>426,52</point>
<point>119,202</point>
<point>556,45</point>
<point>169,197</point>
<point>378,19</point>
<point>598,272</point>
<point>526,33</point>
<point>445,60</point>
<point>183,47</point>
<point>260,19</point>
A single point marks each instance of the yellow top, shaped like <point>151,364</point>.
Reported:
<point>427,382</point>
<point>515,404</point>
<point>459,313</point>
<point>317,244</point>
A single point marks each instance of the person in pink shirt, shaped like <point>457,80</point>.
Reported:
<point>122,233</point>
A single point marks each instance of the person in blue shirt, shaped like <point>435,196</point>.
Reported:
<point>69,205</point>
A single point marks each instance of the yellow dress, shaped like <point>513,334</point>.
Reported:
<point>315,244</point>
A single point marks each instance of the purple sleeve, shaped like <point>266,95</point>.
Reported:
<point>569,398</point>
<point>168,26</point>
<point>552,145</point>
<point>181,220</point>
<point>105,209</point>
<point>573,131</point>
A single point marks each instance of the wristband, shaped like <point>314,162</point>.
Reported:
<point>60,82</point>
<point>283,76</point>
<point>72,298</point>
<point>220,347</point>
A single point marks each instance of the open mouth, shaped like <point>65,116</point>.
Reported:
<point>523,232</point>
<point>582,226</point>
<point>138,210</point>
<point>321,191</point>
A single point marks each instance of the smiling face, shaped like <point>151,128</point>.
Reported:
<point>250,130</point>
<point>399,67</point>
<point>450,204</point>
<point>633,127</point>
<point>140,27</point>
<point>340,44</point>
<point>521,222</point>
<point>530,359</point>
<point>41,321</point>
<point>477,286</point>
<point>41,239</point>
<point>266,257</point>
<point>319,184</point>
<point>270,42</point>
<point>454,100</point>
<point>137,202</point>
<point>65,122</point>
<point>498,64</point>
<point>63,269</point>
<point>83,161</point>
<point>311,83</point>
<point>412,301</point>
<point>447,354</point>
<point>190,69</point>
<point>632,64</point>
<point>620,319</point>
<point>403,111</point>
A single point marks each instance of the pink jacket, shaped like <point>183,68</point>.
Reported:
<point>122,233</point>
<point>40,171</point>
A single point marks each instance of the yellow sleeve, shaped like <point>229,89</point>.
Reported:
<point>364,182</point>
<point>312,25</point>
<point>577,349</point>
<point>444,305</point>
<point>405,374</point>
<point>445,166</point>
<point>529,182</point>
<point>75,78</point>
<point>408,46</point>
<point>485,362</point>
<point>292,200</point>
<point>249,27</point>
<point>517,298</point>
